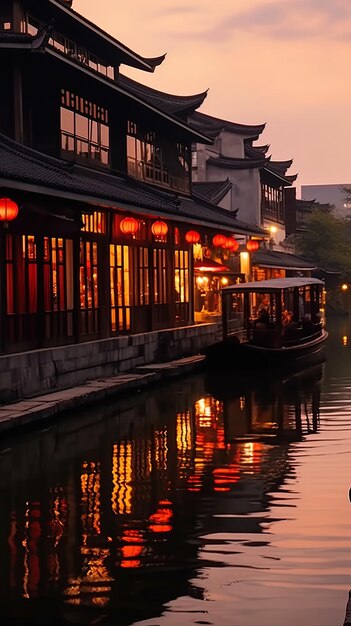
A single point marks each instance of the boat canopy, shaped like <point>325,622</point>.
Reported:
<point>272,285</point>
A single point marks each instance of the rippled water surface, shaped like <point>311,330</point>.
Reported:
<point>212,501</point>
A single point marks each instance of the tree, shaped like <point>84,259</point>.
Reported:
<point>347,192</point>
<point>326,242</point>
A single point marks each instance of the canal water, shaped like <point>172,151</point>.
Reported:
<point>215,500</point>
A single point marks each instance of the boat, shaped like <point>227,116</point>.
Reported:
<point>271,324</point>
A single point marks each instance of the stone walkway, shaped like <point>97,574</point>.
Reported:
<point>40,408</point>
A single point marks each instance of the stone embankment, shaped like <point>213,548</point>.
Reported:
<point>31,411</point>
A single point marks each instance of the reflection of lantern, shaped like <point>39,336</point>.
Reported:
<point>129,226</point>
<point>231,244</point>
<point>219,241</point>
<point>8,210</point>
<point>159,229</point>
<point>252,245</point>
<point>192,236</point>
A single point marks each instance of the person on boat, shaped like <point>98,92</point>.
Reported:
<point>263,304</point>
<point>262,321</point>
<point>287,317</point>
<point>307,325</point>
<point>289,326</point>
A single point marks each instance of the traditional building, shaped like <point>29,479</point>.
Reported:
<point>258,189</point>
<point>109,231</point>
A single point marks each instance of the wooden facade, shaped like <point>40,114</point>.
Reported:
<point>80,150</point>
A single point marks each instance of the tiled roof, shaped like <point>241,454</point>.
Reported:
<point>254,152</point>
<point>209,124</point>
<point>275,168</point>
<point>213,191</point>
<point>291,177</point>
<point>237,164</point>
<point>129,57</point>
<point>167,102</point>
<point>280,166</point>
<point>21,165</point>
<point>281,260</point>
<point>8,36</point>
<point>25,41</point>
<point>218,215</point>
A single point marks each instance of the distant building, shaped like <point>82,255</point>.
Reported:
<point>329,194</point>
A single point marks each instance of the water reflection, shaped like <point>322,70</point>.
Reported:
<point>107,511</point>
<point>283,409</point>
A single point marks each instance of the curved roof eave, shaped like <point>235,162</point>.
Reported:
<point>175,102</point>
<point>252,131</point>
<point>112,85</point>
<point>239,164</point>
<point>278,176</point>
<point>135,59</point>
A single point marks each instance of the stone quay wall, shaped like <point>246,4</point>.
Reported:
<point>27,374</point>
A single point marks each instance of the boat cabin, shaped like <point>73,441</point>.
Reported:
<point>274,313</point>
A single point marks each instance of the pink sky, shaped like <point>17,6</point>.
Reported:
<point>283,62</point>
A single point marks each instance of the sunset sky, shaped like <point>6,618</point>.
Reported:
<point>283,62</point>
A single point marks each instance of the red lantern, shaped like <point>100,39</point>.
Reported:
<point>231,244</point>
<point>129,226</point>
<point>252,246</point>
<point>159,229</point>
<point>8,210</point>
<point>192,236</point>
<point>219,241</point>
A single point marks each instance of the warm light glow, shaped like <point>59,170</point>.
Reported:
<point>132,548</point>
<point>345,340</point>
<point>231,244</point>
<point>252,245</point>
<point>201,281</point>
<point>122,470</point>
<point>219,241</point>
<point>192,236</point>
<point>159,229</point>
<point>344,287</point>
<point>224,280</point>
<point>197,252</point>
<point>161,520</point>
<point>129,226</point>
<point>273,229</point>
<point>245,264</point>
<point>8,210</point>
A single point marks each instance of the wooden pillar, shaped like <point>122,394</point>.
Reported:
<point>3,307</point>
<point>76,287</point>
<point>104,291</point>
<point>313,294</point>
<point>151,288</point>
<point>247,314</point>
<point>39,241</point>
<point>192,286</point>
<point>278,309</point>
<point>17,16</point>
<point>296,313</point>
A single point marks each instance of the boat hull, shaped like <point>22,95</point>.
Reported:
<point>231,354</point>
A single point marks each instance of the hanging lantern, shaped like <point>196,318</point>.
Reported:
<point>159,229</point>
<point>219,241</point>
<point>252,245</point>
<point>231,244</point>
<point>8,210</point>
<point>129,226</point>
<point>192,236</point>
